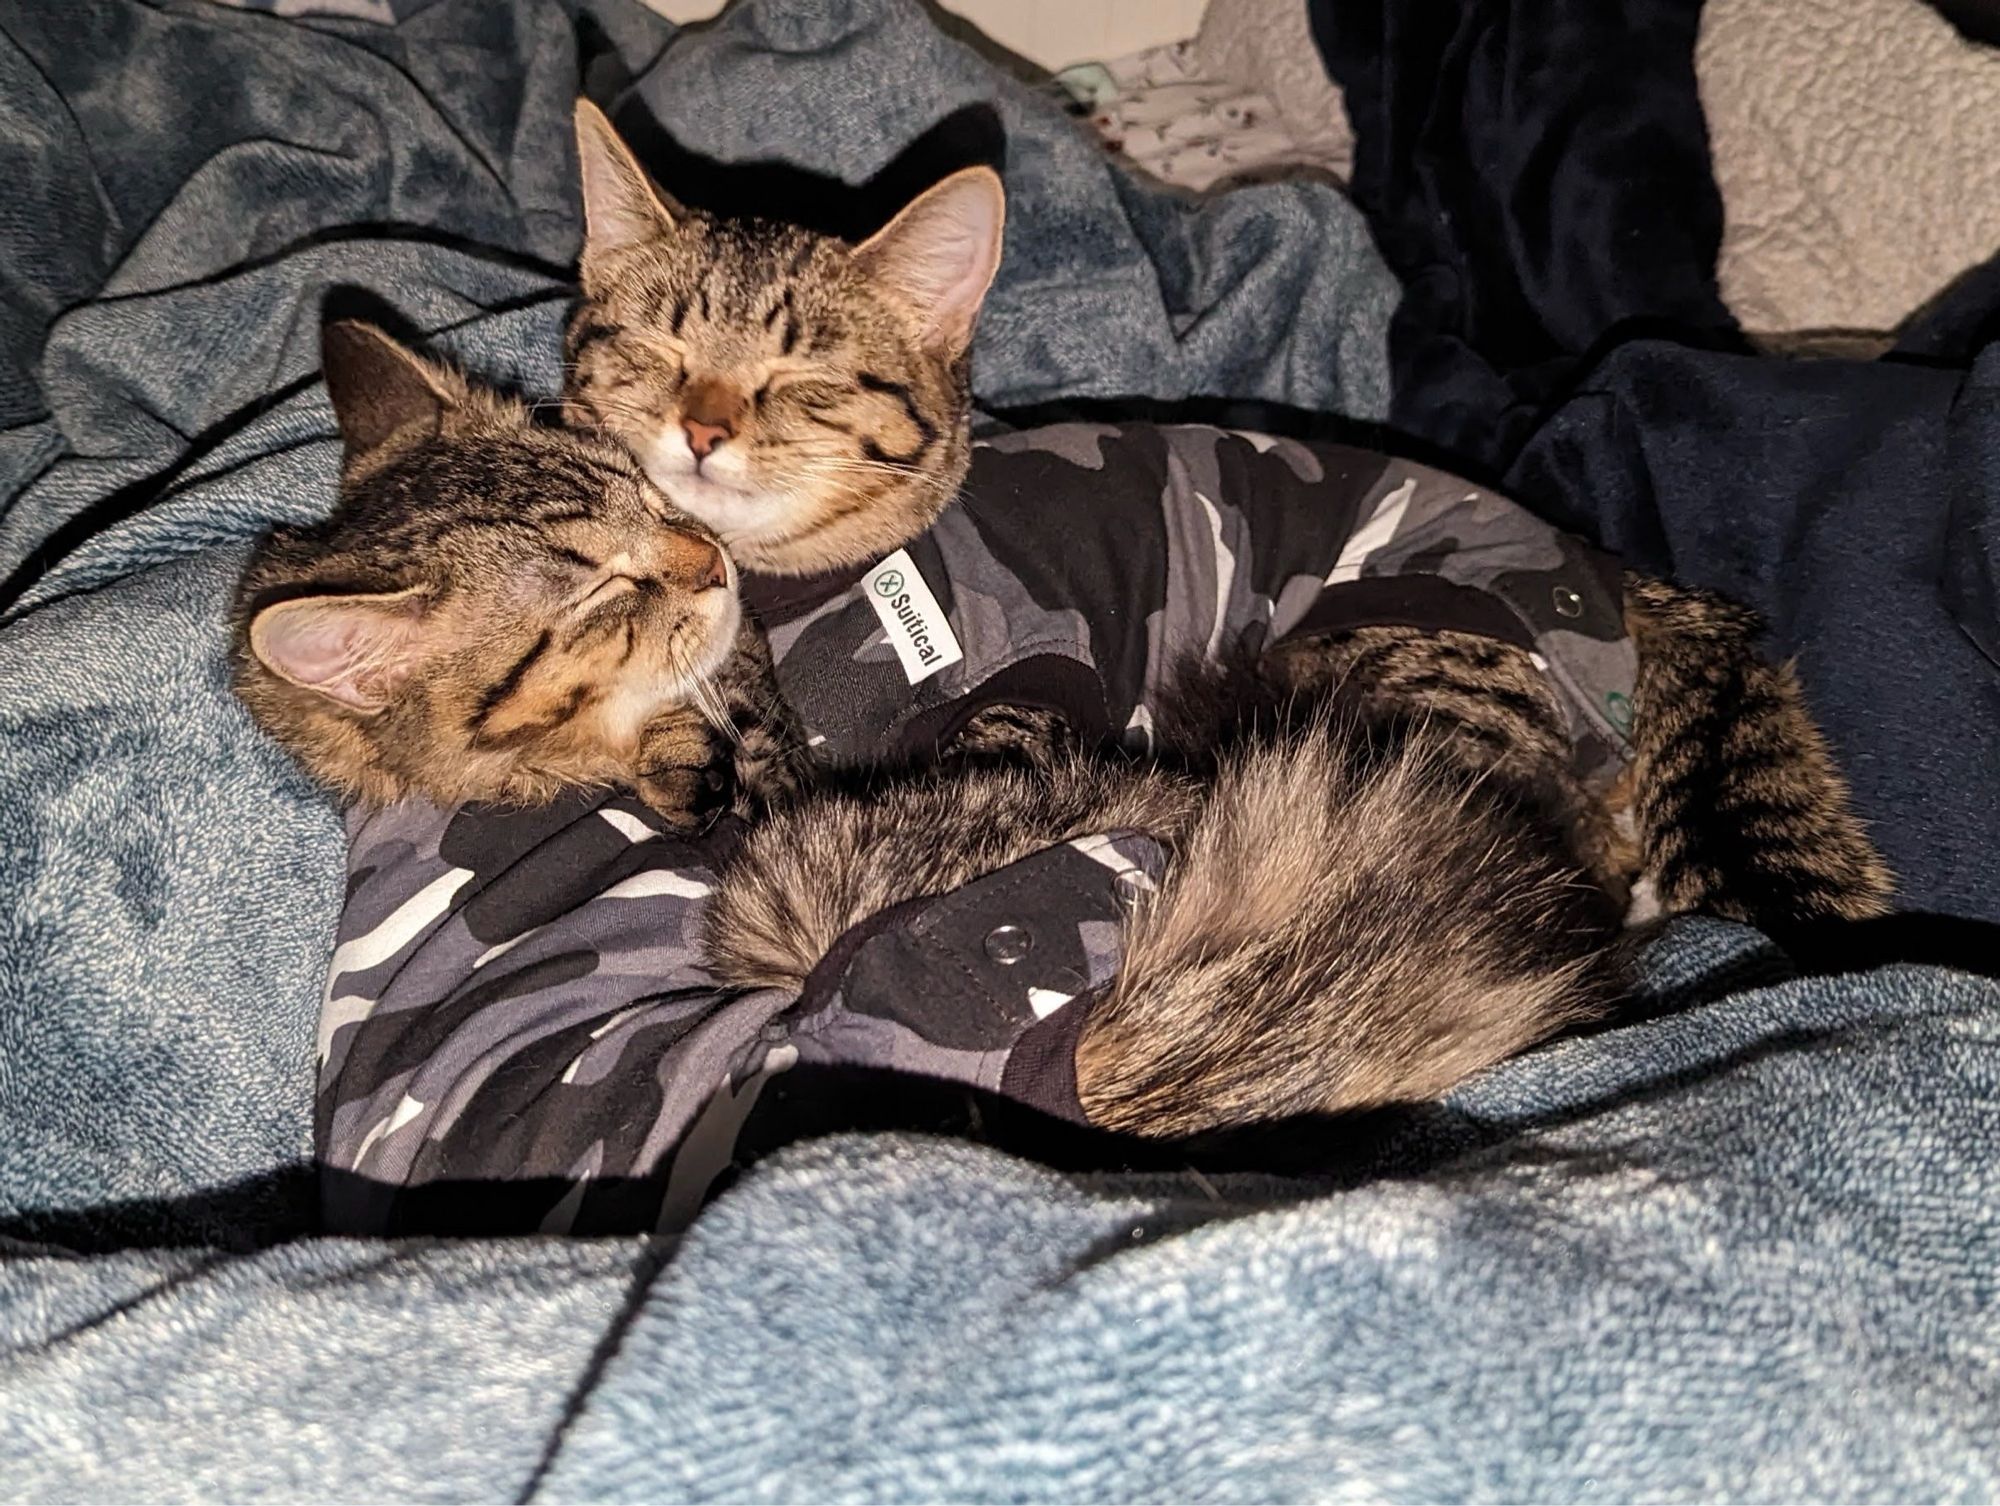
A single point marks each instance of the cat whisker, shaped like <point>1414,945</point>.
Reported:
<point>883,467</point>
<point>704,694</point>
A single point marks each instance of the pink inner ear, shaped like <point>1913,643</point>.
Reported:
<point>355,650</point>
<point>943,250</point>
<point>620,207</point>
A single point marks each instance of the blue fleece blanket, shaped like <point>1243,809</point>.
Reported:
<point>1744,1249</point>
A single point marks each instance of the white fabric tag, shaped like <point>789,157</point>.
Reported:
<point>917,627</point>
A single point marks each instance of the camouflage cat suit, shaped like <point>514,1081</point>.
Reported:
<point>518,1031</point>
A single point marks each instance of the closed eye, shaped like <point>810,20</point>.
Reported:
<point>811,392</point>
<point>606,591</point>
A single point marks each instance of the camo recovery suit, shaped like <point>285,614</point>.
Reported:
<point>518,1031</point>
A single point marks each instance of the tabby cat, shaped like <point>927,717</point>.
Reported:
<point>1387,874</point>
<point>1350,916</point>
<point>1384,874</point>
<point>809,400</point>
<point>497,610</point>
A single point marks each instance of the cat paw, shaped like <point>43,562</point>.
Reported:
<point>687,801</point>
<point>685,774</point>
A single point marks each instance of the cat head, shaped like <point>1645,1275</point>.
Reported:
<point>808,399</point>
<point>493,610</point>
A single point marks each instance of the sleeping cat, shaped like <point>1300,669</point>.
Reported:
<point>1349,918</point>
<point>1730,801</point>
<point>1373,888</point>
<point>807,399</point>
<point>498,610</point>
<point>1387,868</point>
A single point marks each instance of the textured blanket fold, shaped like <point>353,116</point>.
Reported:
<point>1739,1249</point>
<point>1743,1253</point>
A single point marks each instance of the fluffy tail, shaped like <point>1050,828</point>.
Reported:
<point>1341,931</point>
<point>808,873</point>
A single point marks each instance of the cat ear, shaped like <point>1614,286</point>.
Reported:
<point>939,255</point>
<point>621,208</point>
<point>356,650</point>
<point>378,388</point>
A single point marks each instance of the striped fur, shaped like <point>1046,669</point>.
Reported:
<point>1342,929</point>
<point>499,611</point>
<point>1352,916</point>
<point>1740,808</point>
<point>1733,804</point>
<point>809,400</point>
<point>806,874</point>
<point>1385,876</point>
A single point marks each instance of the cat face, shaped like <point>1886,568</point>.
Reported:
<point>493,611</point>
<point>806,398</point>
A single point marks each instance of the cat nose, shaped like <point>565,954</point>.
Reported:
<point>710,410</point>
<point>704,437</point>
<point>693,561</point>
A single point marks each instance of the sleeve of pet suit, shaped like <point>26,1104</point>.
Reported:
<point>518,1033</point>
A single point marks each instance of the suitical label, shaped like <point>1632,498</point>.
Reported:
<point>918,630</point>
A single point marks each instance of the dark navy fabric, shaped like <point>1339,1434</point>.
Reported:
<point>1537,173</point>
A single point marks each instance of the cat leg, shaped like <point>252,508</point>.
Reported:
<point>1740,809</point>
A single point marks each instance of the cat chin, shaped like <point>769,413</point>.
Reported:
<point>719,494</point>
<point>739,516</point>
<point>638,698</point>
<point>670,464</point>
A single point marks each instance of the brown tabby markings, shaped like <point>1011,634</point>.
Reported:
<point>1740,808</point>
<point>1350,918</point>
<point>1501,711</point>
<point>1342,932</point>
<point>1732,804</point>
<point>806,875</point>
<point>494,611</point>
<point>1385,874</point>
<point>1338,929</point>
<point>807,399</point>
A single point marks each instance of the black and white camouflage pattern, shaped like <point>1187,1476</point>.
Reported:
<point>518,996</point>
<point>1124,548</point>
<point>518,1029</point>
<point>382,12</point>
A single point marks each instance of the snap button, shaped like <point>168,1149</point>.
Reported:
<point>1007,945</point>
<point>1568,603</point>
